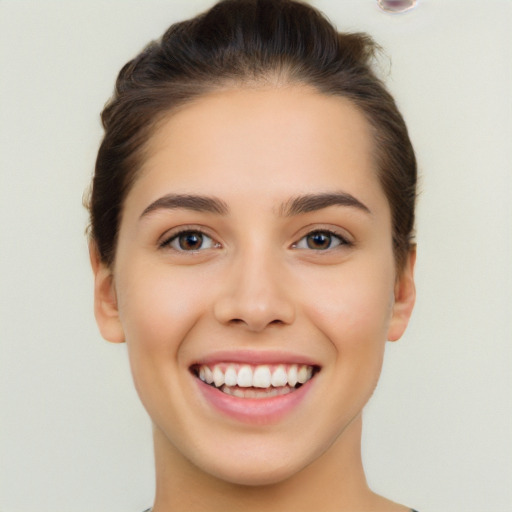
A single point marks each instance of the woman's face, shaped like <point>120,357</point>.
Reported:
<point>255,249</point>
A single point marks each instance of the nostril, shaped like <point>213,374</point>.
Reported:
<point>253,308</point>
<point>239,321</point>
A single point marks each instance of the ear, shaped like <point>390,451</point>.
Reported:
<point>405,296</point>
<point>105,299</point>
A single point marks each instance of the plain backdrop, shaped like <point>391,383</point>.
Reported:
<point>73,436</point>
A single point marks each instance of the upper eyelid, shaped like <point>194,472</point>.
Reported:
<point>343,239</point>
<point>178,230</point>
<point>315,228</point>
<point>172,233</point>
<point>167,243</point>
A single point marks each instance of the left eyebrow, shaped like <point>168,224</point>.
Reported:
<point>187,202</point>
<point>313,202</point>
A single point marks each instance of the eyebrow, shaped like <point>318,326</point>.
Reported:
<point>295,206</point>
<point>313,202</point>
<point>188,202</point>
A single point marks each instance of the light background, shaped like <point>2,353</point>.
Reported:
<point>73,437</point>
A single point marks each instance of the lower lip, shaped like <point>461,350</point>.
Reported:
<point>260,411</point>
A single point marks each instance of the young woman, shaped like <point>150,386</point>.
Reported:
<point>251,238</point>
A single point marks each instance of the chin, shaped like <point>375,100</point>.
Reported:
<point>255,477</point>
<point>259,464</point>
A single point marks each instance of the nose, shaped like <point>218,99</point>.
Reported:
<point>255,294</point>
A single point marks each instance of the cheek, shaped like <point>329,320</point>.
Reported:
<point>355,319</point>
<point>354,307</point>
<point>351,307</point>
<point>158,307</point>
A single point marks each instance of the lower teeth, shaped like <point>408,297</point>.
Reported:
<point>255,392</point>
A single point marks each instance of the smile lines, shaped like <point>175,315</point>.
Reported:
<point>274,379</point>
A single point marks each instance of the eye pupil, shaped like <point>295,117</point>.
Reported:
<point>190,241</point>
<point>319,240</point>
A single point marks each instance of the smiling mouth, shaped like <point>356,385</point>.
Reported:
<point>255,381</point>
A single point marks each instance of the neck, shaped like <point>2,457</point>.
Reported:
<point>334,481</point>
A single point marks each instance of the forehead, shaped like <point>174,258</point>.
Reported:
<point>266,142</point>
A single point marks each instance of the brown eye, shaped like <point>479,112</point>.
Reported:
<point>188,241</point>
<point>320,241</point>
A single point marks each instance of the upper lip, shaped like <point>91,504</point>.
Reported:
<point>255,357</point>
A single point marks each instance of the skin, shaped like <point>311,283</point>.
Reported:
<point>258,286</point>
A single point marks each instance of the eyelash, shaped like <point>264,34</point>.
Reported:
<point>175,237</point>
<point>331,235</point>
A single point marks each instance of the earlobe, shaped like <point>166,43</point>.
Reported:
<point>405,297</point>
<point>105,299</point>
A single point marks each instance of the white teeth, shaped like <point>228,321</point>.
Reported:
<point>292,375</point>
<point>302,375</point>
<point>218,377</point>
<point>230,377</point>
<point>208,374</point>
<point>279,377</point>
<point>261,377</point>
<point>238,392</point>
<point>245,377</point>
<point>256,393</point>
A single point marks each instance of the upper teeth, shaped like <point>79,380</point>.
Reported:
<point>260,376</point>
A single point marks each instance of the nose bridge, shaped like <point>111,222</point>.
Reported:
<point>255,293</point>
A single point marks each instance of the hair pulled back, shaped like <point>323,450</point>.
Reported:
<point>237,43</point>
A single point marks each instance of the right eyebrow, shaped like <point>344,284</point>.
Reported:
<point>313,202</point>
<point>189,202</point>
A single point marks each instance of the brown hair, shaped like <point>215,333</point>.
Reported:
<point>240,42</point>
